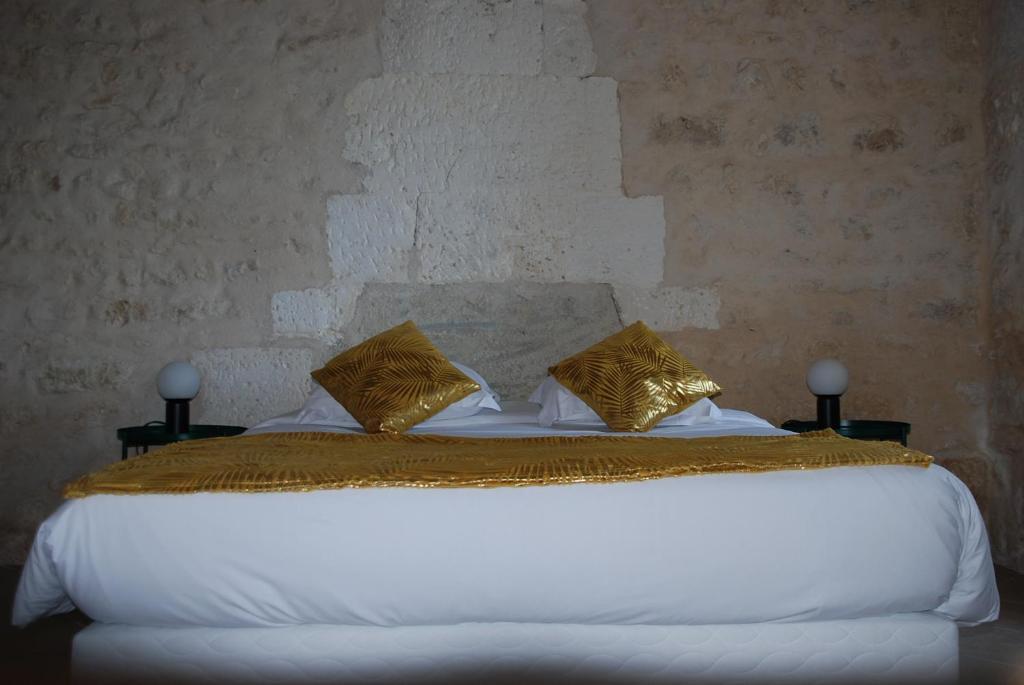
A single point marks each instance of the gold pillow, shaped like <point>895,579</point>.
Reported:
<point>633,379</point>
<point>394,380</point>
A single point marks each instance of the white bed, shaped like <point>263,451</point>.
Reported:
<point>833,574</point>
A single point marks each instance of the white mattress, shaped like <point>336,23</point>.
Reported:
<point>909,648</point>
<point>786,546</point>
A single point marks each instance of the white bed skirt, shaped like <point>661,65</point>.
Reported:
<point>893,649</point>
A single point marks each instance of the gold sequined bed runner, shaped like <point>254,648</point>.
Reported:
<point>278,462</point>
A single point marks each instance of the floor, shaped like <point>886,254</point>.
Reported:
<point>992,654</point>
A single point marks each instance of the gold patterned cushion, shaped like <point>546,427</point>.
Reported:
<point>633,379</point>
<point>394,380</point>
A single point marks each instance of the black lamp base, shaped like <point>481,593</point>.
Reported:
<point>176,418</point>
<point>828,411</point>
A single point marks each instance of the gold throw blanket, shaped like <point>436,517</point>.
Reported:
<point>279,462</point>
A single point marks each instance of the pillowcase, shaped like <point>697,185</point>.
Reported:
<point>561,407</point>
<point>320,408</point>
<point>633,379</point>
<point>394,380</point>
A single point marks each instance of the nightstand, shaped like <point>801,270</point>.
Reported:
<point>154,433</point>
<point>858,429</point>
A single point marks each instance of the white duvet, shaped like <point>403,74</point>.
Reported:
<point>730,548</point>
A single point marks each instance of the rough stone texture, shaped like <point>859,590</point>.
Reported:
<point>1004,129</point>
<point>164,170</point>
<point>370,237</point>
<point>568,50</point>
<point>525,37</point>
<point>243,386</point>
<point>418,133</point>
<point>488,160</point>
<point>581,237</point>
<point>255,185</point>
<point>465,36</point>
<point>823,168</point>
<point>669,309</point>
<point>304,313</point>
<point>510,334</point>
<point>320,313</point>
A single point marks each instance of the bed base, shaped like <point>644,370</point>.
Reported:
<point>893,649</point>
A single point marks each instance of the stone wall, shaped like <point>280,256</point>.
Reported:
<point>822,166</point>
<point>254,185</point>
<point>165,168</point>
<point>1004,128</point>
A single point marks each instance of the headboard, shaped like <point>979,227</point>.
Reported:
<point>509,332</point>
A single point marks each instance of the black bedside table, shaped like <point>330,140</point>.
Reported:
<point>154,433</point>
<point>858,429</point>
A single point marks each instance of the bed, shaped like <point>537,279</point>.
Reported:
<point>848,574</point>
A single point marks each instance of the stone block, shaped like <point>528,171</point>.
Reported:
<point>462,36</point>
<point>369,237</point>
<point>697,132</point>
<point>880,139</point>
<point>802,132</point>
<point>82,376</point>
<point>568,50</point>
<point>314,313</point>
<point>509,332</point>
<point>583,238</point>
<point>301,313</point>
<point>669,309</point>
<point>242,386</point>
<point>430,133</point>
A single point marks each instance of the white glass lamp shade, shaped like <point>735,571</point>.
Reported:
<point>178,381</point>
<point>827,377</point>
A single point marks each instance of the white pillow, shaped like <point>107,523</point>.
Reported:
<point>320,408</point>
<point>558,405</point>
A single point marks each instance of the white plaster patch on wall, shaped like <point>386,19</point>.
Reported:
<point>319,313</point>
<point>669,309</point>
<point>432,133</point>
<point>577,238</point>
<point>244,385</point>
<point>488,159</point>
<point>343,298</point>
<point>369,237</point>
<point>302,313</point>
<point>568,50</point>
<point>463,36</point>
